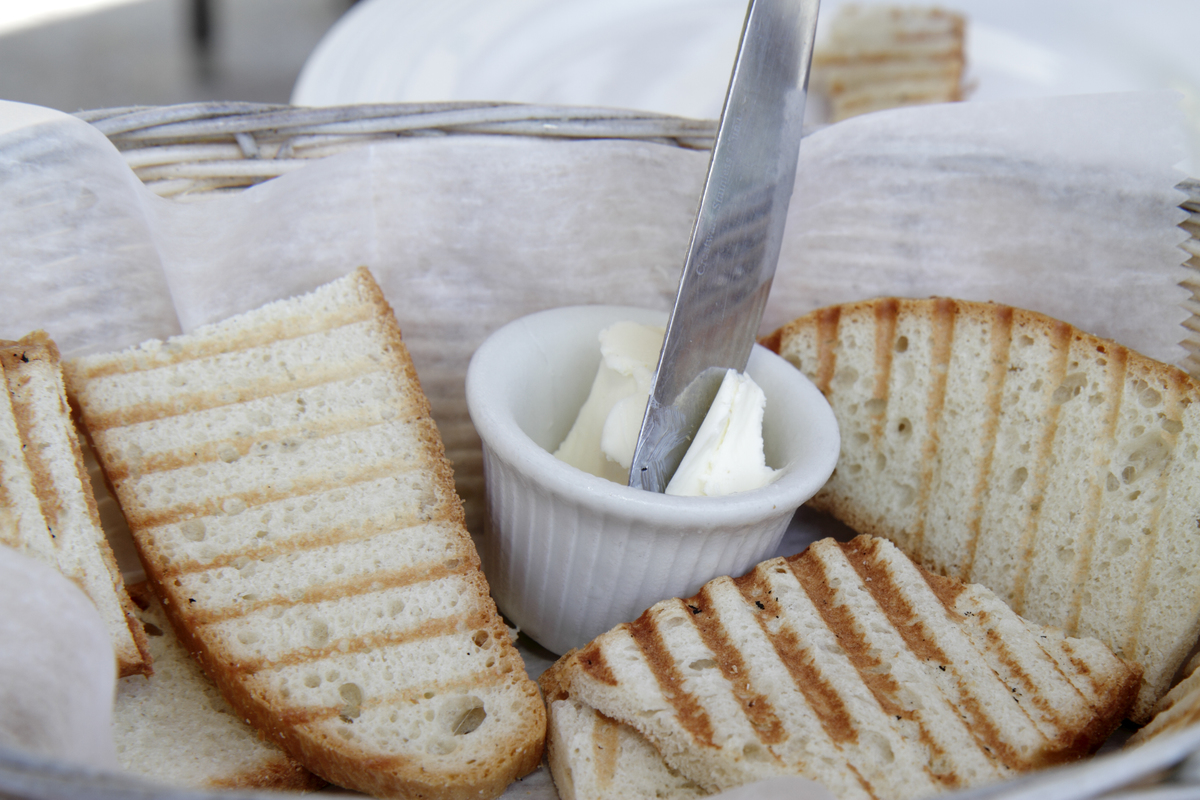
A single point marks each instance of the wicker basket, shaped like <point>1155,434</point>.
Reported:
<point>191,151</point>
<point>182,151</point>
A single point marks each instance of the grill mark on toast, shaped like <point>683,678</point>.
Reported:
<point>1060,338</point>
<point>429,629</point>
<point>210,452</point>
<point>265,333</point>
<point>690,713</point>
<point>822,697</point>
<point>947,590</point>
<point>772,341</point>
<point>1081,667</point>
<point>325,537</point>
<point>1118,363</point>
<point>261,389</point>
<point>1001,343</point>
<point>591,659</point>
<point>755,705</point>
<point>1130,646</point>
<point>327,591</point>
<point>884,687</point>
<point>811,575</point>
<point>1056,728</point>
<point>605,746</point>
<point>300,488</point>
<point>886,312</point>
<point>944,313</point>
<point>890,598</point>
<point>827,333</point>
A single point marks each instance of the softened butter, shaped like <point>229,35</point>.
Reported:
<point>726,455</point>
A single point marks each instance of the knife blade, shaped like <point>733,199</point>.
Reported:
<point>736,236</point>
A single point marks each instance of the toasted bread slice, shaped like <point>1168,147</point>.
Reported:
<point>49,493</point>
<point>290,499</point>
<point>173,727</point>
<point>879,56</point>
<point>22,526</point>
<point>1003,447</point>
<point>1178,708</point>
<point>851,666</point>
<point>593,757</point>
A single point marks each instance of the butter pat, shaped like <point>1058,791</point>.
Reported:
<point>725,457</point>
<point>727,454</point>
<point>602,439</point>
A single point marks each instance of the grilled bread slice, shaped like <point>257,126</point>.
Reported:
<point>879,56</point>
<point>1003,447</point>
<point>22,526</point>
<point>1178,709</point>
<point>593,757</point>
<point>290,499</point>
<point>48,492</point>
<point>851,666</point>
<point>173,727</point>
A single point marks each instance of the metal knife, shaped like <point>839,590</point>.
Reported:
<point>737,234</point>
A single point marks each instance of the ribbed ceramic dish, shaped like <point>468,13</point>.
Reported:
<point>569,555</point>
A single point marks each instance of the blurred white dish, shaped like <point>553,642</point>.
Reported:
<point>674,56</point>
<point>569,555</point>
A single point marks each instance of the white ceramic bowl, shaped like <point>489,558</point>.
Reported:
<point>569,555</point>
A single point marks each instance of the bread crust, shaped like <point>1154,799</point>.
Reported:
<point>1053,466</point>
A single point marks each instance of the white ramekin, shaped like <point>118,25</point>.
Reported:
<point>569,555</point>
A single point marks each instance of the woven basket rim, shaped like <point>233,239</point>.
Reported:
<point>189,150</point>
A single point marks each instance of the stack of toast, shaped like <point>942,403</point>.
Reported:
<point>847,665</point>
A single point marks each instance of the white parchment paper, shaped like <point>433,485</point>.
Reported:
<point>1061,205</point>
<point>57,671</point>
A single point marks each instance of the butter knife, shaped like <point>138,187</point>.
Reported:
<point>736,236</point>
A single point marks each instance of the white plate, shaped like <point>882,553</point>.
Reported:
<point>674,56</point>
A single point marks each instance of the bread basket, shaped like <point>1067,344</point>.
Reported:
<point>190,152</point>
